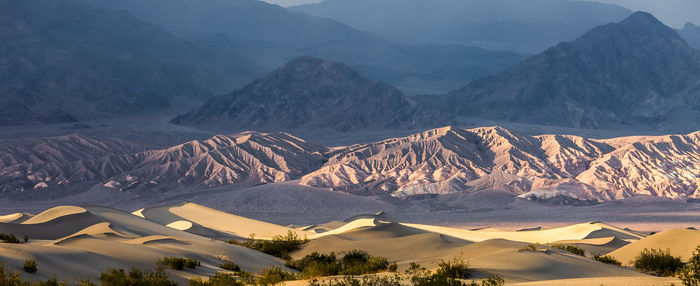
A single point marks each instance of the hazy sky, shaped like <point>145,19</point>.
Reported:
<point>674,13</point>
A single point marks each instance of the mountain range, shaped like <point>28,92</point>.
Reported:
<point>313,94</point>
<point>270,36</point>
<point>436,162</point>
<point>523,26</point>
<point>64,60</point>
<point>637,74</point>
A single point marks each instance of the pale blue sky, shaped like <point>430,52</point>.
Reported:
<point>674,13</point>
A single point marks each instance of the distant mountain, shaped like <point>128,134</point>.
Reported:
<point>271,35</point>
<point>549,168</point>
<point>523,26</point>
<point>59,162</point>
<point>691,34</point>
<point>563,168</point>
<point>64,60</point>
<point>309,93</point>
<point>634,74</point>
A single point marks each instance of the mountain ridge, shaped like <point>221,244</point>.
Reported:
<point>308,93</point>
<point>436,162</point>
<point>636,73</point>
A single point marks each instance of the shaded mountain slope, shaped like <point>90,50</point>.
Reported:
<point>526,27</point>
<point>272,35</point>
<point>223,160</point>
<point>310,93</point>
<point>65,56</point>
<point>637,73</point>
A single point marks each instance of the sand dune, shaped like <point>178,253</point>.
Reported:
<point>15,217</point>
<point>681,242</point>
<point>404,244</point>
<point>84,241</point>
<point>572,232</point>
<point>594,246</point>
<point>206,221</point>
<point>54,213</point>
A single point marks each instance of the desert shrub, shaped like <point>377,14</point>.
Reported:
<point>85,282</point>
<point>529,247</point>
<point>657,262</point>
<point>30,266</point>
<point>493,280</point>
<point>449,272</point>
<point>136,277</point>
<point>192,263</point>
<point>393,267</point>
<point>26,238</point>
<point>316,264</point>
<point>455,268</point>
<point>228,265</point>
<point>274,275</point>
<point>354,262</point>
<point>607,259</point>
<point>279,246</point>
<point>179,263</point>
<point>570,248</point>
<point>364,281</point>
<point>219,279</point>
<point>357,262</point>
<point>690,275</point>
<point>8,237</point>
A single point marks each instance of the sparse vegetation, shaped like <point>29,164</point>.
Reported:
<point>354,262</point>
<point>657,262</point>
<point>570,248</point>
<point>607,259</point>
<point>274,275</point>
<point>219,279</point>
<point>491,280</point>
<point>179,263</point>
<point>449,272</point>
<point>30,266</point>
<point>8,237</point>
<point>363,281</point>
<point>393,267</point>
<point>279,246</point>
<point>529,247</point>
<point>136,277</point>
<point>228,265</point>
<point>690,274</point>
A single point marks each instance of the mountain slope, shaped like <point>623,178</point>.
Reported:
<point>523,26</point>
<point>67,57</point>
<point>309,93</point>
<point>551,168</point>
<point>449,160</point>
<point>251,157</point>
<point>691,34</point>
<point>637,73</point>
<point>271,36</point>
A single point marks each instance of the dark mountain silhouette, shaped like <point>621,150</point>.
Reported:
<point>637,72</point>
<point>61,60</point>
<point>271,36</point>
<point>522,26</point>
<point>310,93</point>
